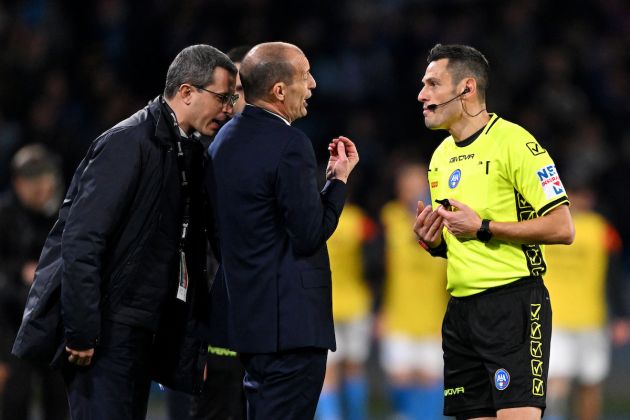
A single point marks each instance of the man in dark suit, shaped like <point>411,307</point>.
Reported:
<point>273,224</point>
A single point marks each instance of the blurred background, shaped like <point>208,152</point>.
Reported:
<point>69,70</point>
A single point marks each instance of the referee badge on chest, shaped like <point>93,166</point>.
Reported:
<point>501,379</point>
<point>453,180</point>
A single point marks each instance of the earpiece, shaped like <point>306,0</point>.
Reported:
<point>433,107</point>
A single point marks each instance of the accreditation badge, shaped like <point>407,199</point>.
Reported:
<point>182,288</point>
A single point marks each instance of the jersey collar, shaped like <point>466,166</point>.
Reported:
<point>472,138</point>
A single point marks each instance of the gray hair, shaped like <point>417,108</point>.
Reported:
<point>195,65</point>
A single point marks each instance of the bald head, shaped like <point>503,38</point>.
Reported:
<point>265,65</point>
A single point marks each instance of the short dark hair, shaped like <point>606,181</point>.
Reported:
<point>464,61</point>
<point>237,54</point>
<point>195,65</point>
<point>259,74</point>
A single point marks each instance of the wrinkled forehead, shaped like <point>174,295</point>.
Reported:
<point>299,61</point>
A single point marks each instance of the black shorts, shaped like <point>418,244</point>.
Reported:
<point>496,349</point>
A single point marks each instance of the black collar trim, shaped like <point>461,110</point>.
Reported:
<point>470,139</point>
<point>495,120</point>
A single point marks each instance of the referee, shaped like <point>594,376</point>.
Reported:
<point>501,199</point>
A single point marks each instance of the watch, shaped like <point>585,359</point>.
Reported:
<point>484,234</point>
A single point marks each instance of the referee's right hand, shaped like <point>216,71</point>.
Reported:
<point>428,225</point>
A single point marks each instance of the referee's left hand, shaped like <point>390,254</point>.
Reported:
<point>462,223</point>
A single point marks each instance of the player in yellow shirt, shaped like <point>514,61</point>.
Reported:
<point>352,303</point>
<point>413,305</point>
<point>503,199</point>
<point>578,278</point>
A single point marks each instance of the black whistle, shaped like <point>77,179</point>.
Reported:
<point>444,202</point>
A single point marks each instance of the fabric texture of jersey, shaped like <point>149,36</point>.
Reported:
<point>506,176</point>
<point>577,273</point>
<point>415,293</point>
<point>351,296</point>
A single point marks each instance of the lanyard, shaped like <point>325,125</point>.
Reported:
<point>184,179</point>
<point>182,289</point>
<point>184,183</point>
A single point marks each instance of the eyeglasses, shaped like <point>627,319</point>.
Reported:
<point>224,98</point>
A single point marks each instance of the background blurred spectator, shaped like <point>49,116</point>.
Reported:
<point>413,306</point>
<point>345,388</point>
<point>237,54</point>
<point>27,212</point>
<point>585,285</point>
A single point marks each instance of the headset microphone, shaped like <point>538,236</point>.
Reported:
<point>433,107</point>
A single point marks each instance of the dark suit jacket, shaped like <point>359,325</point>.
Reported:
<point>273,224</point>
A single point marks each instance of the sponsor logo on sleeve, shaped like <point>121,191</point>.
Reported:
<point>550,181</point>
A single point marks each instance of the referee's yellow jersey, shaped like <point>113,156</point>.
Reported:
<point>504,175</point>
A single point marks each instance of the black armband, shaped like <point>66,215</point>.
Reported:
<point>438,251</point>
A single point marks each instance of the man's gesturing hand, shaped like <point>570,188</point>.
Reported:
<point>343,158</point>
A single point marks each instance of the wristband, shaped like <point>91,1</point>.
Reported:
<point>440,250</point>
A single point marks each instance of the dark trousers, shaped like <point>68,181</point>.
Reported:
<point>116,385</point>
<point>284,385</point>
<point>222,397</point>
<point>19,390</point>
